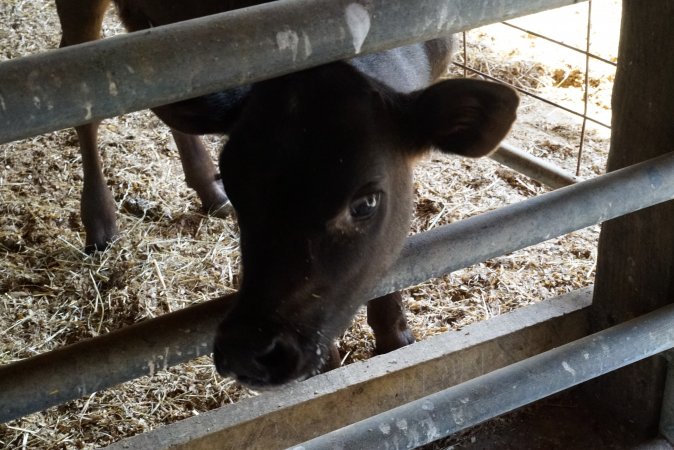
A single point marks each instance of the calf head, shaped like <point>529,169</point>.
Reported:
<point>318,169</point>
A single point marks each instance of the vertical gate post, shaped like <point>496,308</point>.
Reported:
<point>635,267</point>
<point>667,414</point>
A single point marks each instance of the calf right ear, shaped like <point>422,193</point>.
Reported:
<point>462,116</point>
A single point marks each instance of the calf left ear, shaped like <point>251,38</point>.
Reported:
<point>462,116</point>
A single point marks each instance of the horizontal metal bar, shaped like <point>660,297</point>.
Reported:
<point>104,361</point>
<point>83,83</point>
<point>535,168</point>
<point>307,409</point>
<point>495,233</point>
<point>457,408</point>
<point>67,373</point>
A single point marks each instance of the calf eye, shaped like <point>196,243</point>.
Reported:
<point>364,207</point>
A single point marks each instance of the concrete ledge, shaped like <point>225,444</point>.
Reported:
<point>301,411</point>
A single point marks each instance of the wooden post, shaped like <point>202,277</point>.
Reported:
<point>635,268</point>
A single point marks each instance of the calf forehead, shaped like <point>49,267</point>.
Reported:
<point>293,146</point>
<point>317,176</point>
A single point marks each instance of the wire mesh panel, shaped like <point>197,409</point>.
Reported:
<point>574,66</point>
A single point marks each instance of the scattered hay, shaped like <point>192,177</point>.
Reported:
<point>169,255</point>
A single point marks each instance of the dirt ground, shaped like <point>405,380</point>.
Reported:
<point>170,255</point>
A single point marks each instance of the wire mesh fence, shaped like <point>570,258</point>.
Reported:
<point>586,53</point>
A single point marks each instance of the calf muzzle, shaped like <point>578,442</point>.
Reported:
<point>258,356</point>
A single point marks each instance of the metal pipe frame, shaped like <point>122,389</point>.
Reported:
<point>88,82</point>
<point>70,372</point>
<point>461,244</point>
<point>101,362</point>
<point>472,402</point>
<point>307,410</point>
<point>534,167</point>
<point>666,426</point>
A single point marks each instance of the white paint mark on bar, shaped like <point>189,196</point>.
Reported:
<point>428,406</point>
<point>288,40</point>
<point>358,21</point>
<point>112,85</point>
<point>457,415</point>
<point>568,368</point>
<point>307,45</point>
<point>442,18</point>
<point>87,107</point>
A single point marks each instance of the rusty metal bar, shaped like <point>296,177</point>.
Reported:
<point>101,362</point>
<point>83,83</point>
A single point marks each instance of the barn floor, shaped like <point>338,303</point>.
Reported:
<point>559,422</point>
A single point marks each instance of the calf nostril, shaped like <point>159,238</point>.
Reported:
<point>258,360</point>
<point>280,361</point>
<point>278,355</point>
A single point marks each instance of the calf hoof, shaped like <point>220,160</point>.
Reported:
<point>90,249</point>
<point>214,200</point>
<point>221,211</point>
<point>98,242</point>
<point>393,341</point>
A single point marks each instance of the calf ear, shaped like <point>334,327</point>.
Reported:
<point>212,113</point>
<point>462,116</point>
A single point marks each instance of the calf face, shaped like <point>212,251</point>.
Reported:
<point>318,169</point>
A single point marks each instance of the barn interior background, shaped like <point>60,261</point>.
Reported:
<point>169,255</point>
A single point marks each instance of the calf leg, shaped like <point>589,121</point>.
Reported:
<point>333,360</point>
<point>97,205</point>
<point>200,174</point>
<point>81,21</point>
<point>386,317</point>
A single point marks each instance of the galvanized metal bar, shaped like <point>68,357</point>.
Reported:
<point>55,377</point>
<point>470,403</point>
<point>92,81</point>
<point>461,244</point>
<point>104,361</point>
<point>534,167</point>
<point>301,411</point>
